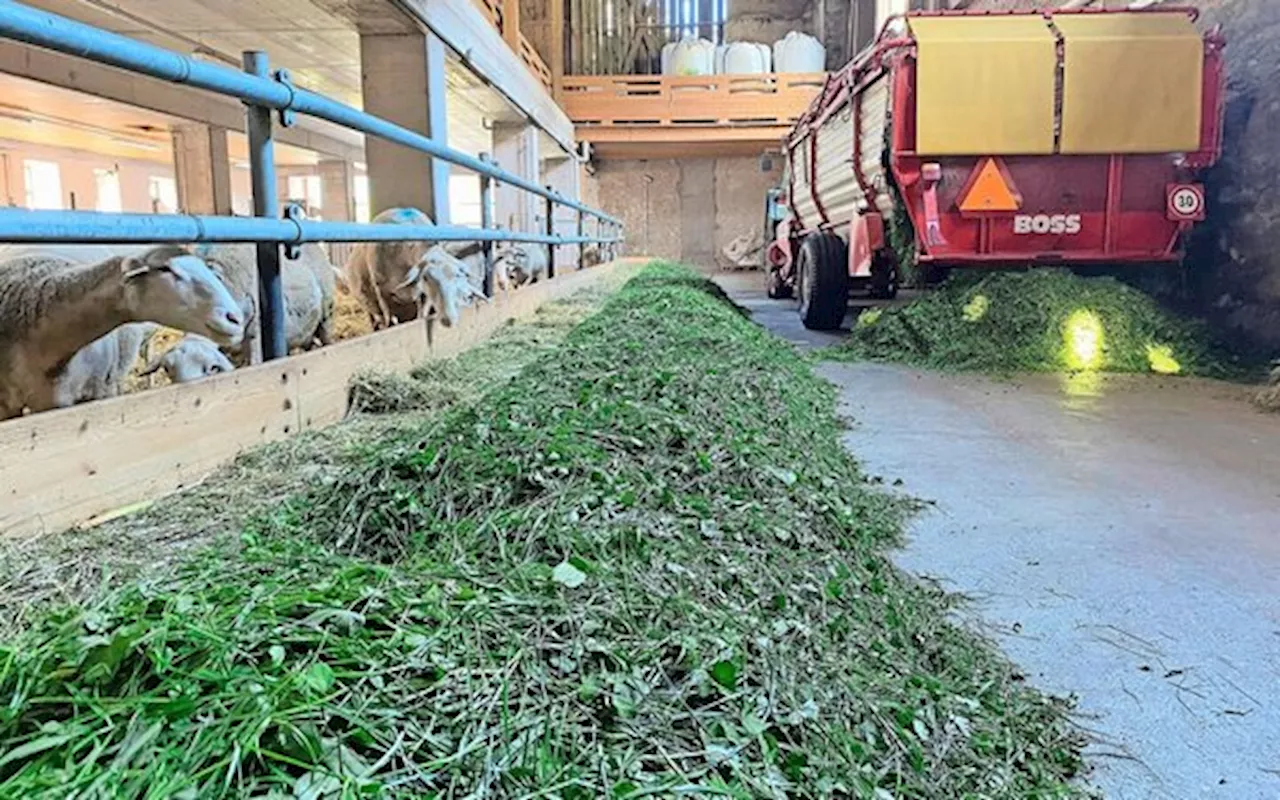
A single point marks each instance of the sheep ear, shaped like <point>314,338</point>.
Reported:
<point>133,267</point>
<point>411,278</point>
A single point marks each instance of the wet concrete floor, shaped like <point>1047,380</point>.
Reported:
<point>1120,540</point>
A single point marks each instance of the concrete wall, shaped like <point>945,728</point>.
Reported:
<point>1235,258</point>
<point>687,209</point>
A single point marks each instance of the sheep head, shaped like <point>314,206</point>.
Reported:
<point>192,359</point>
<point>442,286</point>
<point>521,264</point>
<point>170,286</point>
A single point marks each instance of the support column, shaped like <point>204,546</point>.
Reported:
<point>202,169</point>
<point>403,80</point>
<point>515,148</point>
<point>337,187</point>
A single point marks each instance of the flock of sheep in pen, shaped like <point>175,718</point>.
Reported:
<point>74,319</point>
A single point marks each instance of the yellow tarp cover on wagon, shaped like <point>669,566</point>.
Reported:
<point>1133,83</point>
<point>984,85</point>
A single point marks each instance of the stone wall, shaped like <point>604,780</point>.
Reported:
<point>1235,258</point>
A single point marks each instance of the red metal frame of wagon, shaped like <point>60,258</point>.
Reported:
<point>1068,159</point>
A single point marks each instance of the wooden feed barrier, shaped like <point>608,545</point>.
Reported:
<point>62,468</point>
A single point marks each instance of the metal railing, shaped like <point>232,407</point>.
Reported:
<point>264,92</point>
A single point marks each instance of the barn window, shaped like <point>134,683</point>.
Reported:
<point>43,181</point>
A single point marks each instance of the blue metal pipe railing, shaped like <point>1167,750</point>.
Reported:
<point>43,29</point>
<point>21,226</point>
<point>262,94</point>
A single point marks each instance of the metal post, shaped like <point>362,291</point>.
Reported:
<point>262,165</point>
<point>486,222</point>
<point>582,246</point>
<point>551,231</point>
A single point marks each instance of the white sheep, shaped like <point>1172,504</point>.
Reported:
<point>308,286</point>
<point>193,358</point>
<point>377,272</point>
<point>51,308</point>
<point>99,370</point>
<point>441,286</point>
<point>525,263</point>
<point>472,255</point>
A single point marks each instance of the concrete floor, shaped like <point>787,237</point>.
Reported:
<point>1120,540</point>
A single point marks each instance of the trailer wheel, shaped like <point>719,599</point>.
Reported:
<point>775,287</point>
<point>823,281</point>
<point>884,277</point>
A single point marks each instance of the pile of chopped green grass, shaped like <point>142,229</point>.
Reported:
<point>1039,320</point>
<point>74,565</point>
<point>644,566</point>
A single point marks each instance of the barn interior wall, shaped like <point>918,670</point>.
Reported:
<point>686,209</point>
<point>76,172</point>
<point>1234,263</point>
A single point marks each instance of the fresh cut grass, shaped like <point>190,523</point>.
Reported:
<point>1041,320</point>
<point>642,566</point>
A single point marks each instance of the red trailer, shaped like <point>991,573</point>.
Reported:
<point>975,139</point>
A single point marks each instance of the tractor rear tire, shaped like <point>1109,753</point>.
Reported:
<point>775,288</point>
<point>823,281</point>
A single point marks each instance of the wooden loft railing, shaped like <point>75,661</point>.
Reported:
<point>493,10</point>
<point>646,101</point>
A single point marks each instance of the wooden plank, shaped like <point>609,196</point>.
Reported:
<point>511,23</point>
<point>649,101</point>
<point>63,467</point>
<point>557,46</point>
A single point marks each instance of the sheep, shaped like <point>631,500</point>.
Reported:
<point>191,359</point>
<point>441,285</point>
<point>526,263</point>
<point>307,283</point>
<point>377,272</point>
<point>472,255</point>
<point>51,308</point>
<point>99,370</point>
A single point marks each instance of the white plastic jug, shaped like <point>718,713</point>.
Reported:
<point>743,58</point>
<point>689,57</point>
<point>799,52</point>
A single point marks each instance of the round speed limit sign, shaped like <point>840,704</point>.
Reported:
<point>1186,202</point>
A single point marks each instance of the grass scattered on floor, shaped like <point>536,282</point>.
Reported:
<point>74,565</point>
<point>1033,321</point>
<point>643,566</point>
<point>1269,398</point>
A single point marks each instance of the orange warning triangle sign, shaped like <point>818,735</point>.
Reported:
<point>991,191</point>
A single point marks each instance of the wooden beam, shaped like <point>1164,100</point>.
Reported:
<point>557,46</point>
<point>511,24</point>
<point>614,142</point>
<point>636,151</point>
